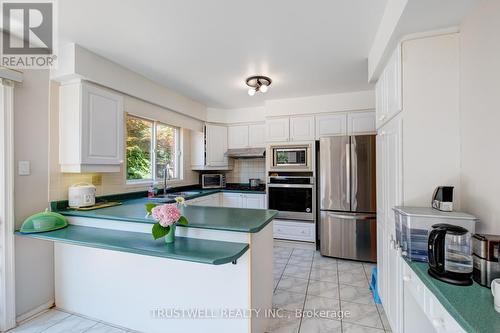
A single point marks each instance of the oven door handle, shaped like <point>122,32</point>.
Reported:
<point>291,185</point>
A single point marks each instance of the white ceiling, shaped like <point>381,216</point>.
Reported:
<point>205,49</point>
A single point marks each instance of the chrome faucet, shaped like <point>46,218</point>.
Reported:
<point>166,176</point>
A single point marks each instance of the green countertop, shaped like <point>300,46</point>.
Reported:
<point>218,218</point>
<point>187,249</point>
<point>472,306</point>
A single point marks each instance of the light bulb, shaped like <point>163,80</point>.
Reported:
<point>251,91</point>
<point>263,88</point>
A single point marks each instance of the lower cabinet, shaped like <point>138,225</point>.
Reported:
<point>244,200</point>
<point>422,310</point>
<point>294,230</point>
<point>393,298</point>
<point>231,200</point>
<point>212,200</point>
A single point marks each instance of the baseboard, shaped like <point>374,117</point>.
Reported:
<point>295,244</point>
<point>35,312</point>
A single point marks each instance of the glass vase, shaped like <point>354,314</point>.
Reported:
<point>170,237</point>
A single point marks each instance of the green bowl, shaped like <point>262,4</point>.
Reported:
<point>42,222</point>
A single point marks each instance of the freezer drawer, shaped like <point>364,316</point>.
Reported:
<point>348,235</point>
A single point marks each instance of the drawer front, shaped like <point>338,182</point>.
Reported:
<point>442,321</point>
<point>414,285</point>
<point>302,231</point>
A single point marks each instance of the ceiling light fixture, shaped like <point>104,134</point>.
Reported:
<point>258,83</point>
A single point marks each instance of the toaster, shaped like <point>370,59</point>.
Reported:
<point>442,198</point>
<point>485,258</point>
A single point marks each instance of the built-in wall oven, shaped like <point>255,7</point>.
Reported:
<point>294,196</point>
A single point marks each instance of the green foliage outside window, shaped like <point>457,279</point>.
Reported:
<point>140,141</point>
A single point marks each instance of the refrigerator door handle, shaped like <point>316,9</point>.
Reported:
<point>353,216</point>
<point>348,172</point>
<point>354,175</point>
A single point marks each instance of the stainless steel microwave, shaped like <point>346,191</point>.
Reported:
<point>290,157</point>
<point>213,180</point>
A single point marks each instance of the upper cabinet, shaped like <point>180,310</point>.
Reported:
<point>91,128</point>
<point>278,129</point>
<point>388,90</point>
<point>361,123</point>
<point>257,135</point>
<point>246,136</point>
<point>331,124</point>
<point>237,136</point>
<point>308,128</point>
<point>216,145</point>
<point>302,128</point>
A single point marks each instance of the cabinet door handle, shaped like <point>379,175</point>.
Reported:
<point>437,322</point>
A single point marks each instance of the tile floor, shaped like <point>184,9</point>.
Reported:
<point>56,321</point>
<point>303,280</point>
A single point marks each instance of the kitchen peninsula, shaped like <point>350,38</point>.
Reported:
<point>108,267</point>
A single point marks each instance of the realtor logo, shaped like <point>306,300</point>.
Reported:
<point>28,34</point>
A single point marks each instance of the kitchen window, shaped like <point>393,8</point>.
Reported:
<point>151,146</point>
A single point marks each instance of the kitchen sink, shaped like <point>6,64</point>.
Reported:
<point>174,195</point>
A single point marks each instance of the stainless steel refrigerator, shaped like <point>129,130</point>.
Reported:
<point>347,194</point>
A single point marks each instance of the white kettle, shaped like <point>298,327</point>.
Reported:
<point>81,195</point>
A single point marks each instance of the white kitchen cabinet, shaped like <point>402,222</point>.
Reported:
<point>246,136</point>
<point>388,90</point>
<point>256,201</point>
<point>232,200</point>
<point>381,100</point>
<point>278,129</point>
<point>394,84</point>
<point>91,128</point>
<point>422,310</point>
<point>257,135</point>
<point>238,136</point>
<point>212,200</point>
<point>361,123</point>
<point>331,125</point>
<point>389,165</point>
<point>216,145</point>
<point>404,174</point>
<point>294,230</point>
<point>302,128</point>
<point>244,200</point>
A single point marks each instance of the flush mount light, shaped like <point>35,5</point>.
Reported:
<point>258,83</point>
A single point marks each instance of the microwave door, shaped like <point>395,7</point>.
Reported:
<point>363,178</point>
<point>334,165</point>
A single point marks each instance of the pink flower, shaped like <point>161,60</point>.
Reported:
<point>166,215</point>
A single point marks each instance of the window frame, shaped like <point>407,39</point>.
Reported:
<point>177,149</point>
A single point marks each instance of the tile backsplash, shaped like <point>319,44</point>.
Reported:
<point>244,169</point>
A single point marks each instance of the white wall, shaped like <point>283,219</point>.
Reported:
<point>78,62</point>
<point>431,117</point>
<point>480,116</point>
<point>240,115</point>
<point>34,259</point>
<point>351,101</point>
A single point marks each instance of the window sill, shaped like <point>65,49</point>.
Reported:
<point>142,183</point>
